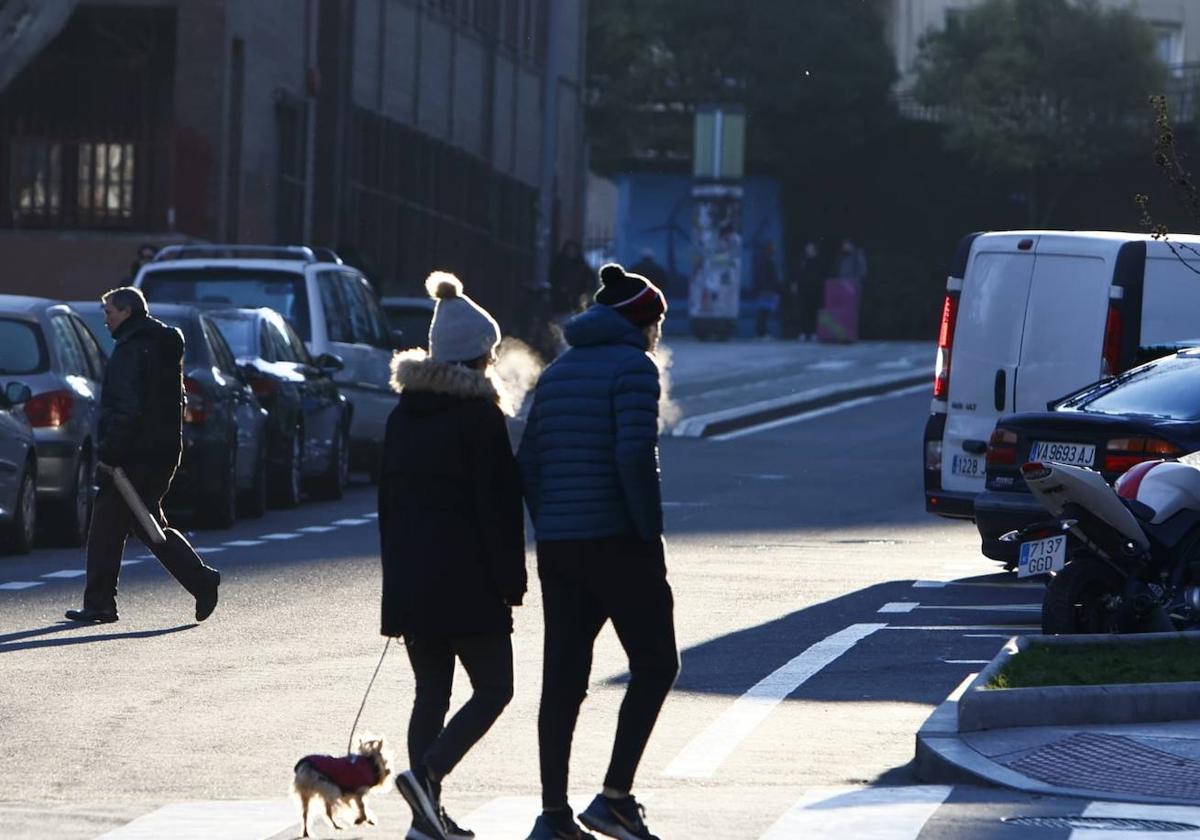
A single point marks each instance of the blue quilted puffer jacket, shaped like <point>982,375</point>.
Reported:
<point>589,456</point>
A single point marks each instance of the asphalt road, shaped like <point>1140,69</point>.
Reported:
<point>821,616</point>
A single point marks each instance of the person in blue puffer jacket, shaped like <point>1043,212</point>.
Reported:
<point>589,463</point>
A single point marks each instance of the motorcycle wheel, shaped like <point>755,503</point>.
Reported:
<point>1078,599</point>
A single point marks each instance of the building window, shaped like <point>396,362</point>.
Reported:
<point>36,179</point>
<point>105,180</point>
<point>1168,40</point>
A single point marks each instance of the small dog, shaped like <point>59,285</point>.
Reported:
<point>341,780</point>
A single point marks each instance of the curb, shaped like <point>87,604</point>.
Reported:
<point>732,419</point>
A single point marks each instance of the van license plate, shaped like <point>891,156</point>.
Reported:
<point>1043,556</point>
<point>968,465</point>
<point>1074,454</point>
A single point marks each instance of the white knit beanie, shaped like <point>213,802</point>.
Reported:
<point>461,330</point>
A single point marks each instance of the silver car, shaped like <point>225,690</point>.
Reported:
<point>64,367</point>
<point>18,458</point>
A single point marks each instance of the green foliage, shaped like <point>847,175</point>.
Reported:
<point>1040,665</point>
<point>1042,88</point>
<point>814,76</point>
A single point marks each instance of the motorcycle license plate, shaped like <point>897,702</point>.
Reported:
<point>1042,556</point>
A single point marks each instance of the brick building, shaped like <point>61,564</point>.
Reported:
<point>407,133</point>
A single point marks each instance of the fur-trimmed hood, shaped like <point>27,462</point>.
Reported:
<point>413,370</point>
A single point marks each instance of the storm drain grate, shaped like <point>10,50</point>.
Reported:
<point>1111,763</point>
<point>1099,823</point>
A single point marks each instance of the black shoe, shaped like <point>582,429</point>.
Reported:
<point>454,831</point>
<point>620,818</point>
<point>558,825</point>
<point>87,615</point>
<point>206,603</point>
<point>417,789</point>
<point>422,830</point>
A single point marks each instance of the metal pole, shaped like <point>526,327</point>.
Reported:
<point>545,225</point>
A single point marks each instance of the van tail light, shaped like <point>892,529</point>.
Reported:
<point>1110,357</point>
<point>50,410</point>
<point>1122,454</point>
<point>262,386</point>
<point>195,408</point>
<point>941,368</point>
<point>1002,448</point>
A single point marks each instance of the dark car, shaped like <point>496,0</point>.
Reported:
<point>1150,412</point>
<point>223,469</point>
<point>308,427</point>
<point>18,453</point>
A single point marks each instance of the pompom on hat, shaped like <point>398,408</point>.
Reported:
<point>632,295</point>
<point>461,329</point>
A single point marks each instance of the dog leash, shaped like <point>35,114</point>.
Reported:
<point>350,746</point>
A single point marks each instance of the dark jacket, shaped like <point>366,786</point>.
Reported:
<point>141,405</point>
<point>451,527</point>
<point>589,455</point>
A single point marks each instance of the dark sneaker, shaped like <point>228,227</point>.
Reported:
<point>620,818</point>
<point>454,831</point>
<point>422,830</point>
<point>422,797</point>
<point>207,601</point>
<point>87,615</point>
<point>558,825</point>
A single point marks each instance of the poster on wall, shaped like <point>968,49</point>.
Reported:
<point>713,294</point>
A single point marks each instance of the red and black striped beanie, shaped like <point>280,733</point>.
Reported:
<point>632,295</point>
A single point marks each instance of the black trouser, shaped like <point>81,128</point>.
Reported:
<point>488,661</point>
<point>112,523</point>
<point>585,583</point>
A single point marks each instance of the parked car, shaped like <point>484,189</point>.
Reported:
<point>18,450</point>
<point>223,469</point>
<point>409,318</point>
<point>330,305</point>
<point>63,409</point>
<point>1031,315</point>
<point>308,428</point>
<point>1147,413</point>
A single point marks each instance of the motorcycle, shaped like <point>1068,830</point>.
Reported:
<point>1121,559</point>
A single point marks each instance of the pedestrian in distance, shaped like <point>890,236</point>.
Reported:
<point>145,254</point>
<point>851,262</point>
<point>571,280</point>
<point>767,288</point>
<point>805,293</point>
<point>452,539</point>
<point>589,460</point>
<point>141,431</point>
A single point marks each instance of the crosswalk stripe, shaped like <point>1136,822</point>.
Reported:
<point>350,521</point>
<point>229,820</point>
<point>886,813</point>
<point>20,584</point>
<point>510,817</point>
<point>705,753</point>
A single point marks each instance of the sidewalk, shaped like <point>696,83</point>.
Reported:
<point>721,386</point>
<point>1149,762</point>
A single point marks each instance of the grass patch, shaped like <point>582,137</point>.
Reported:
<point>1039,665</point>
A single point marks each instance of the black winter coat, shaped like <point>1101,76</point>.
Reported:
<point>141,405</point>
<point>451,524</point>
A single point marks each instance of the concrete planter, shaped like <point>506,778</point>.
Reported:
<point>981,708</point>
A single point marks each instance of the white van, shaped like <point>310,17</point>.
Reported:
<point>329,304</point>
<point>1030,316</point>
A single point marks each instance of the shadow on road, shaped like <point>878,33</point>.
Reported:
<point>15,641</point>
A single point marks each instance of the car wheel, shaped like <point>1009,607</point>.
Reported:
<point>223,512</point>
<point>68,520</point>
<point>19,535</point>
<point>254,501</point>
<point>289,480</point>
<point>331,484</point>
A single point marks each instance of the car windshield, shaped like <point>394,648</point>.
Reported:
<point>184,325</point>
<point>1168,388</point>
<point>238,332</point>
<point>282,291</point>
<point>413,323</point>
<point>21,348</point>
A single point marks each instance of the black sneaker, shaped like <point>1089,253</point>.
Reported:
<point>87,615</point>
<point>620,818</point>
<point>454,831</point>
<point>421,795</point>
<point>558,825</point>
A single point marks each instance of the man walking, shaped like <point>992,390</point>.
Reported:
<point>141,422</point>
<point>589,460</point>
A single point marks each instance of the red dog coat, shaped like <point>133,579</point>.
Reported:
<point>348,772</point>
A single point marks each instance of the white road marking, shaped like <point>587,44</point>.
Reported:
<point>1129,810</point>
<point>985,636</point>
<point>317,529</point>
<point>831,364</point>
<point>370,515</point>
<point>959,627</point>
<point>815,413</point>
<point>894,364</point>
<point>66,573</point>
<point>987,607</point>
<point>705,752</point>
<point>884,813</point>
<point>208,549</point>
<point>229,820</point>
<point>513,816</point>
<point>21,584</point>
<point>133,562</point>
<point>350,521</point>
<point>281,536</point>
<point>928,584</point>
<point>685,504</point>
<point>967,661</point>
<point>243,543</point>
<point>899,607</point>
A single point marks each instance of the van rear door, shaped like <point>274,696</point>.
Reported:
<point>1063,337</point>
<point>987,345</point>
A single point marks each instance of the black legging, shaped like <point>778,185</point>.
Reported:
<point>585,583</point>
<point>488,661</point>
